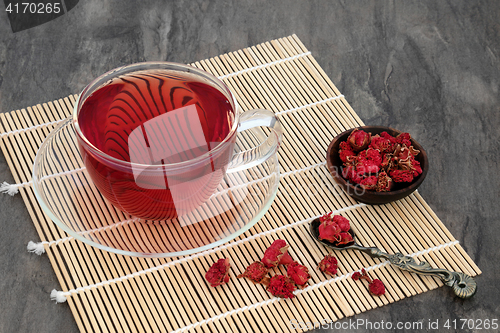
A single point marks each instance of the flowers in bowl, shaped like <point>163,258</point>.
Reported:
<point>377,162</point>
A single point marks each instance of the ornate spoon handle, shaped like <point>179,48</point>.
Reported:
<point>463,285</point>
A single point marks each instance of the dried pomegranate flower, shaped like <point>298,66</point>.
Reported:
<point>344,238</point>
<point>359,139</point>
<point>277,254</point>
<point>401,175</point>
<point>377,287</point>
<point>371,155</point>
<point>218,273</point>
<point>386,161</point>
<point>325,217</point>
<point>255,272</point>
<point>417,169</point>
<point>351,174</point>
<point>346,153</point>
<point>367,167</point>
<point>404,139</point>
<point>384,182</point>
<point>369,183</point>
<point>329,230</point>
<point>298,273</point>
<point>384,145</point>
<point>347,156</point>
<point>386,135</point>
<point>328,265</point>
<point>342,222</point>
<point>281,286</point>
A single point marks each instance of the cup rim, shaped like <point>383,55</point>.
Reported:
<point>102,79</point>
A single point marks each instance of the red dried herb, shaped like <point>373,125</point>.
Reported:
<point>277,254</point>
<point>359,139</point>
<point>218,273</point>
<point>255,272</point>
<point>334,229</point>
<point>375,286</point>
<point>381,143</point>
<point>344,238</point>
<point>328,265</point>
<point>329,230</point>
<point>384,182</point>
<point>281,286</point>
<point>298,273</point>
<point>342,222</point>
<point>369,183</point>
<point>404,139</point>
<point>377,162</point>
<point>402,176</point>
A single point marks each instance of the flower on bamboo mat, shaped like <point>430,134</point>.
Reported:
<point>218,273</point>
<point>255,272</point>
<point>281,286</point>
<point>277,254</point>
<point>328,265</point>
<point>375,286</point>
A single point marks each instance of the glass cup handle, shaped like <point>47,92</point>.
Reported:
<point>252,157</point>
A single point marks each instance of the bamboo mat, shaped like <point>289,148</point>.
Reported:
<point>113,293</point>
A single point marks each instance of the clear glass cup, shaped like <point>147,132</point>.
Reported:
<point>237,178</point>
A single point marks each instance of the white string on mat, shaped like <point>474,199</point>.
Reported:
<point>297,292</point>
<point>222,77</point>
<point>265,65</point>
<point>12,189</point>
<point>55,122</point>
<point>39,248</point>
<point>60,296</point>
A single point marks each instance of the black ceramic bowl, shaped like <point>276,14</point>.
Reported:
<point>399,191</point>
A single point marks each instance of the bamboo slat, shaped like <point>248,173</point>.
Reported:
<point>108,292</point>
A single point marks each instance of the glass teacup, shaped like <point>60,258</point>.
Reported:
<point>157,138</point>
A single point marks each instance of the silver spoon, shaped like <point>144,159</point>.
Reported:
<point>463,285</point>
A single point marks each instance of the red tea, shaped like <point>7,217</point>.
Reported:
<point>152,119</point>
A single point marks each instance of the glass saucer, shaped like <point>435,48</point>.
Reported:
<point>67,194</point>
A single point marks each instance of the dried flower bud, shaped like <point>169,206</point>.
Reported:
<point>345,238</point>
<point>401,175</point>
<point>276,254</point>
<point>255,272</point>
<point>218,273</point>
<point>329,230</point>
<point>351,174</point>
<point>328,265</point>
<point>383,145</point>
<point>356,276</point>
<point>386,135</point>
<point>369,183</point>
<point>359,139</point>
<point>298,273</point>
<point>346,153</point>
<point>404,139</point>
<point>281,286</point>
<point>377,287</point>
<point>347,156</point>
<point>342,222</point>
<point>384,182</point>
<point>326,217</point>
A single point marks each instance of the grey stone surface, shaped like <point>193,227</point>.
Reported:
<point>427,67</point>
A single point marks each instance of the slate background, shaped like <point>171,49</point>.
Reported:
<point>427,67</point>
